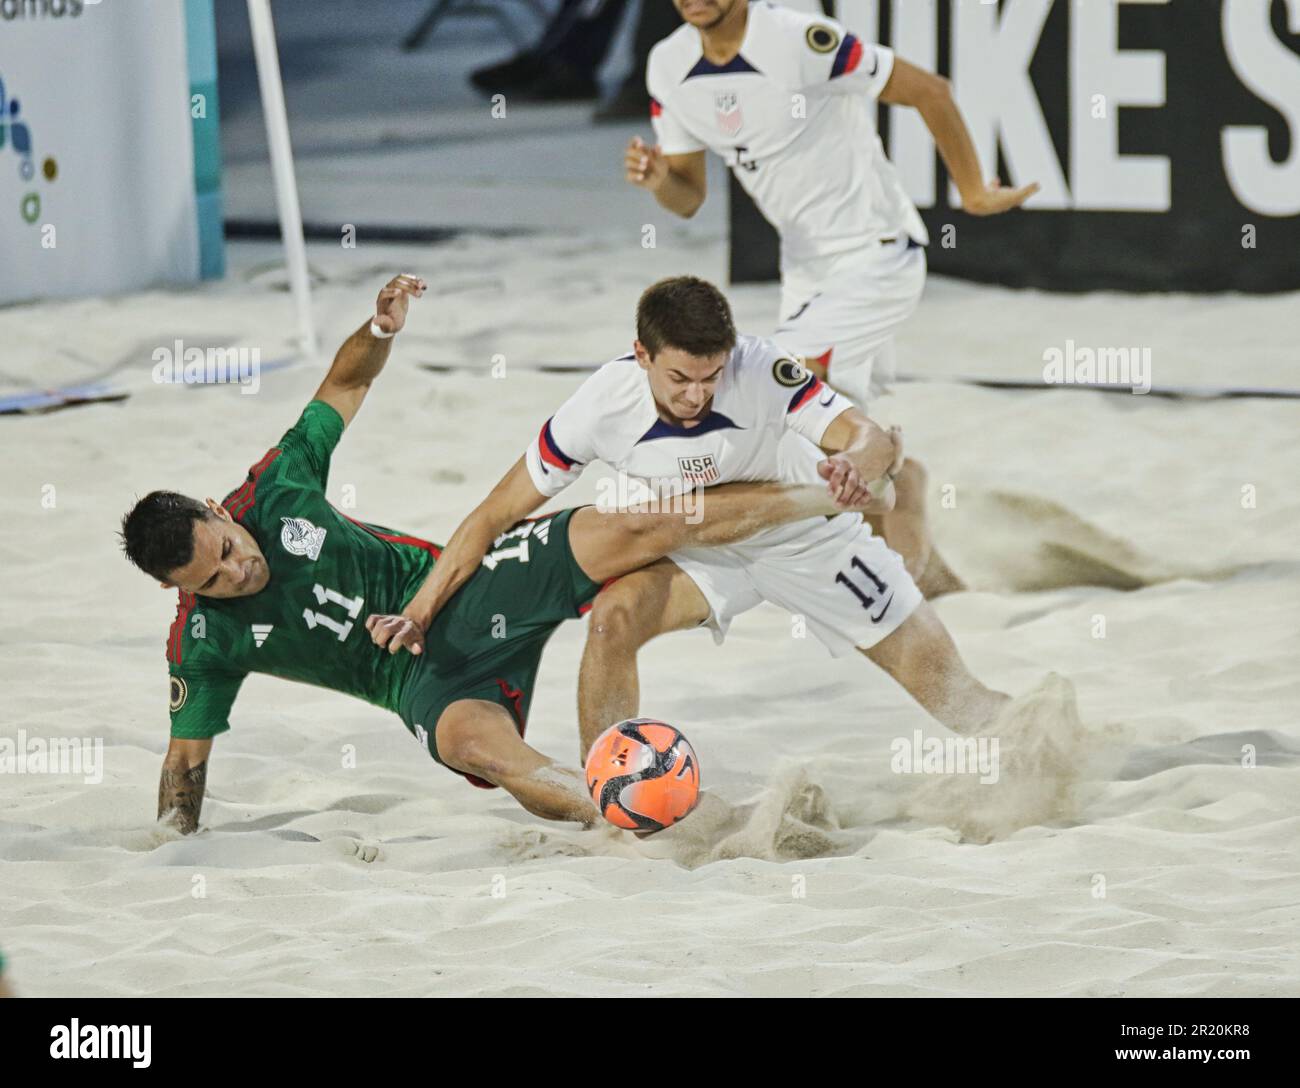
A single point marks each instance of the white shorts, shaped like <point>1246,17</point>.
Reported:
<point>847,585</point>
<point>850,305</point>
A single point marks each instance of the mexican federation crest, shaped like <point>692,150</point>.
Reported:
<point>300,537</point>
<point>727,109</point>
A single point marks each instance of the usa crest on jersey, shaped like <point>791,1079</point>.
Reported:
<point>699,470</point>
<point>727,107</point>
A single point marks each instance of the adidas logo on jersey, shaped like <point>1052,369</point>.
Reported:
<point>260,633</point>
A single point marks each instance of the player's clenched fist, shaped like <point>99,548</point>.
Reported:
<point>390,307</point>
<point>850,475</point>
<point>844,481</point>
<point>395,632</point>
<point>645,166</point>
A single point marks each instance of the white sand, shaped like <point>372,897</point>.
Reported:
<point>842,878</point>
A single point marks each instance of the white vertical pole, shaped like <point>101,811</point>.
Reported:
<point>286,188</point>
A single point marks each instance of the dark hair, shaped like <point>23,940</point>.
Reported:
<point>158,532</point>
<point>686,313</point>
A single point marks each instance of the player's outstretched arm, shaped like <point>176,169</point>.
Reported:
<point>931,96</point>
<point>513,498</point>
<point>363,354</point>
<point>180,790</point>
<point>678,182</point>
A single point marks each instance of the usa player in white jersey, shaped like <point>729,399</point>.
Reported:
<point>694,405</point>
<point>788,99</point>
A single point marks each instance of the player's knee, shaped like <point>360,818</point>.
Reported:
<point>464,745</point>
<point>618,622</point>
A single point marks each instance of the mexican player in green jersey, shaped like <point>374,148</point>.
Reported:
<point>274,580</point>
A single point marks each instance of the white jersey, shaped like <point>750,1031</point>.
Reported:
<point>793,115</point>
<point>765,422</point>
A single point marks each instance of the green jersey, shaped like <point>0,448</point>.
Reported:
<point>328,573</point>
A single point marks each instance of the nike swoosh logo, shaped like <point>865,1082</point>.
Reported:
<point>881,614</point>
<point>827,402</point>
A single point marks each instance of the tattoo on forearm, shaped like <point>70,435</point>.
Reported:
<point>180,793</point>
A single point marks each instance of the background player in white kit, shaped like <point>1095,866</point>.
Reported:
<point>694,405</point>
<point>788,99</point>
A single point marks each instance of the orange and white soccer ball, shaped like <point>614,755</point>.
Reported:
<point>643,775</point>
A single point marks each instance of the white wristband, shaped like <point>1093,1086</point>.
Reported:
<point>379,333</point>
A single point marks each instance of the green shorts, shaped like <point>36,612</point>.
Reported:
<point>487,641</point>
